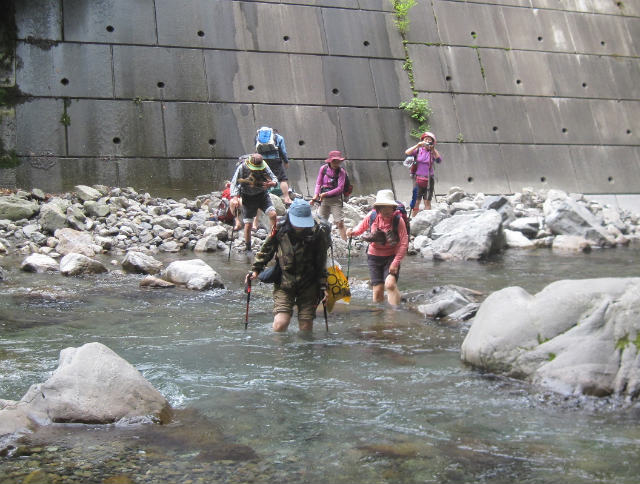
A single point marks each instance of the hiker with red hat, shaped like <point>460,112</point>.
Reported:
<point>331,185</point>
<point>425,155</point>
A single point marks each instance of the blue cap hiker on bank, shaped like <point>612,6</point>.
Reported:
<point>425,156</point>
<point>270,144</point>
<point>300,246</point>
<point>251,181</point>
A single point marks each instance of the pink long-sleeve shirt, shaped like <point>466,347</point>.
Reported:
<point>385,224</point>
<point>326,179</point>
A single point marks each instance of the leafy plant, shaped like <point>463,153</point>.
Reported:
<point>420,111</point>
<point>401,8</point>
<point>460,138</point>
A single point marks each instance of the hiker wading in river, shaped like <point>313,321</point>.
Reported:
<point>388,242</point>
<point>300,246</point>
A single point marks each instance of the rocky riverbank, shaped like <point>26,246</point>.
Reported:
<point>100,219</point>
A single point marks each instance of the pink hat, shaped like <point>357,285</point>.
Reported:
<point>428,134</point>
<point>334,155</point>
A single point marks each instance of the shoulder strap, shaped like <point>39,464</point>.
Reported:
<point>372,218</point>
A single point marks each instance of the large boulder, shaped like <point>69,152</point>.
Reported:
<point>53,215</point>
<point>565,216</point>
<point>39,263</point>
<point>70,240</point>
<point>91,385</point>
<point>13,207</point>
<point>468,235</point>
<point>194,274</point>
<point>573,337</point>
<point>77,264</point>
<point>140,263</point>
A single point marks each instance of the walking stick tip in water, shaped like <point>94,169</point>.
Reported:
<point>247,289</point>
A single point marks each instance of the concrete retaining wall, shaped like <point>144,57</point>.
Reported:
<point>164,95</point>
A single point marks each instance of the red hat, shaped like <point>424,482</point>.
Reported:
<point>428,134</point>
<point>334,155</point>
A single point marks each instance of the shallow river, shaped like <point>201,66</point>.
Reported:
<point>382,397</point>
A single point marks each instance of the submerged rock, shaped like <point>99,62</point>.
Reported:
<point>573,337</point>
<point>194,274</point>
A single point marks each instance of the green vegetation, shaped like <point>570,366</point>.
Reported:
<point>401,8</point>
<point>552,356</point>
<point>460,138</point>
<point>622,343</point>
<point>420,111</point>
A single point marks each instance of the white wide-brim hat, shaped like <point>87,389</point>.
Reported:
<point>385,198</point>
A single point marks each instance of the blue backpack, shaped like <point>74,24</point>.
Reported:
<point>266,140</point>
<point>400,212</point>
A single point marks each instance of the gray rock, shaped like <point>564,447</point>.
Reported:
<point>517,240</point>
<point>76,264</point>
<point>140,263</point>
<point>70,240</point>
<point>165,221</point>
<point>39,263</point>
<point>194,274</point>
<point>425,220</point>
<point>571,243</point>
<point>529,226</point>
<point>96,209</point>
<point>13,207</point>
<point>87,193</point>
<point>443,301</point>
<point>208,243</point>
<point>573,337</point>
<point>156,282</point>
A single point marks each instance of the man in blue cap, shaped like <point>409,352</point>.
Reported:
<point>300,245</point>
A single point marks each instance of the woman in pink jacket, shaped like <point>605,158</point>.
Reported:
<point>389,240</point>
<point>425,155</point>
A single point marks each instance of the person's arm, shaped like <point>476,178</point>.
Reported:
<point>234,188</point>
<point>437,156</point>
<point>413,151</point>
<point>334,192</point>
<point>283,151</point>
<point>319,180</point>
<point>360,228</point>
<point>402,245</point>
<point>274,179</point>
<point>265,254</point>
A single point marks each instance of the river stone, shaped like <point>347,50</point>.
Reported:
<point>194,274</point>
<point>442,301</point>
<point>156,282</point>
<point>468,235</point>
<point>571,243</point>
<point>13,207</point>
<point>39,263</point>
<point>529,226</point>
<point>86,193</point>
<point>208,243</point>
<point>425,220</point>
<point>70,240</point>
<point>517,240</point>
<point>140,263</point>
<point>573,337</point>
<point>75,264</point>
<point>92,384</point>
<point>96,209</point>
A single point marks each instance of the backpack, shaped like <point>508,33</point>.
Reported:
<point>401,211</point>
<point>348,187</point>
<point>266,140</point>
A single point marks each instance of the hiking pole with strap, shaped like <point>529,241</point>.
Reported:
<point>348,257</point>
<point>326,319</point>
<point>247,289</point>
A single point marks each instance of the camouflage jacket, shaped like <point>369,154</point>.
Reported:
<point>302,257</point>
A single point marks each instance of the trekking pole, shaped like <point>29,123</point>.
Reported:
<point>326,319</point>
<point>233,228</point>
<point>247,289</point>
<point>348,257</point>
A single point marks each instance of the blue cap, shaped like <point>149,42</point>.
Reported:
<point>300,214</point>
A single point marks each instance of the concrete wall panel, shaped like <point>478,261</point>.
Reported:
<point>39,20</point>
<point>428,68</point>
<point>73,70</point>
<point>38,128</point>
<point>611,119</point>
<point>199,23</point>
<point>369,176</point>
<point>474,167</point>
<point>374,134</point>
<point>111,21</point>
<point>390,81</point>
<point>200,130</point>
<point>348,82</point>
<point>423,27</point>
<point>443,119</point>
<point>617,167</point>
<point>499,75</point>
<point>578,123</point>
<point>533,72</point>
<point>626,72</point>
<point>554,32</point>
<point>470,24</point>
<point>56,175</point>
<point>115,128</point>
<point>159,73</point>
<point>464,69</point>
<point>310,132</point>
<point>597,34</point>
<point>542,167</point>
<point>355,33</point>
<point>633,29</point>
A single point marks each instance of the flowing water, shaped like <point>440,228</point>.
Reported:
<point>382,397</point>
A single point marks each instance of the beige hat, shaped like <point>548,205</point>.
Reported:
<point>386,198</point>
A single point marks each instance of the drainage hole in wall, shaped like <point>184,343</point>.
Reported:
<point>602,42</point>
<point>474,35</point>
<point>495,128</point>
<point>250,87</point>
<point>366,43</point>
<point>540,38</point>
<point>64,81</point>
<point>200,33</point>
<point>448,78</point>
<point>116,140</point>
<point>470,179</point>
<point>518,81</point>
<point>610,179</point>
<point>543,179</point>
<point>285,38</point>
<point>628,131</point>
<point>385,144</point>
<point>110,28</point>
<point>160,84</point>
<point>301,142</point>
<point>335,91</point>
<point>564,130</point>
<point>584,84</point>
<point>212,141</point>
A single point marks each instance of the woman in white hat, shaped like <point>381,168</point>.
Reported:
<point>388,237</point>
<point>426,155</point>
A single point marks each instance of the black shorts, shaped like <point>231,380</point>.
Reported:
<point>277,167</point>
<point>425,193</point>
<point>379,268</point>
<point>251,204</point>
